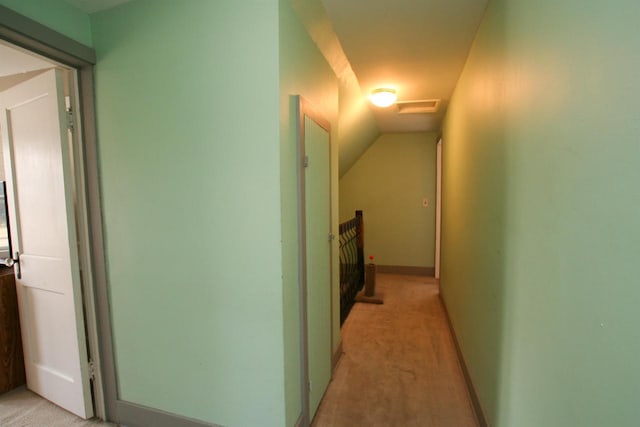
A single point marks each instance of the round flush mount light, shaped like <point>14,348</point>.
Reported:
<point>383,97</point>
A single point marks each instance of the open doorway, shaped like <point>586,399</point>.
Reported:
<point>49,232</point>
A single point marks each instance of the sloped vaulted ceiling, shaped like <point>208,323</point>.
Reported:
<point>417,46</point>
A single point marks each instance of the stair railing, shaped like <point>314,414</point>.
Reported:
<point>351,263</point>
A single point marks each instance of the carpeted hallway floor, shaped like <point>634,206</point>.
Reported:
<point>399,366</point>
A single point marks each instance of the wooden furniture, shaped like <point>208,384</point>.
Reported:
<point>12,372</point>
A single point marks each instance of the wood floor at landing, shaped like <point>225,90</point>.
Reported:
<point>399,366</point>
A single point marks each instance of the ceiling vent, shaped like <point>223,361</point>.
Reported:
<point>418,107</point>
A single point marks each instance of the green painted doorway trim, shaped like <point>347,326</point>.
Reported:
<point>36,38</point>
<point>304,111</point>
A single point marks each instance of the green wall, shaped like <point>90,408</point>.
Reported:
<point>540,222</point>
<point>180,117</point>
<point>357,128</point>
<point>303,71</point>
<point>388,184</point>
<point>57,15</point>
<point>187,116</point>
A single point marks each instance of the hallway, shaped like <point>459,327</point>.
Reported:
<point>399,366</point>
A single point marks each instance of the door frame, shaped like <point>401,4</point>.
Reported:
<point>438,207</point>
<point>303,108</point>
<point>34,37</point>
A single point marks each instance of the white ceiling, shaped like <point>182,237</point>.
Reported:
<point>417,46</point>
<point>14,61</point>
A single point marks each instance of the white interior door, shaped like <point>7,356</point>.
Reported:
<point>43,232</point>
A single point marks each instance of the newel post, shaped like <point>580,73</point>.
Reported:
<point>360,246</point>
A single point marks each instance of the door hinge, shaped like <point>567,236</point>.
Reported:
<point>92,370</point>
<point>310,387</point>
<point>306,161</point>
<point>69,119</point>
<point>332,237</point>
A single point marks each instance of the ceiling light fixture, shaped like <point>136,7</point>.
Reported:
<point>383,97</point>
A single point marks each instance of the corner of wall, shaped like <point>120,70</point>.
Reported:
<point>57,15</point>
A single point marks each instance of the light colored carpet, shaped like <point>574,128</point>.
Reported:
<point>22,408</point>
<point>399,366</point>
